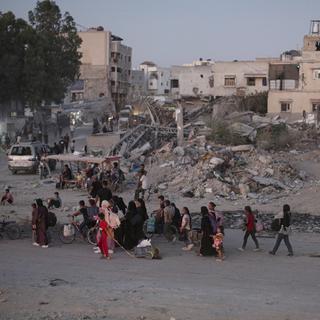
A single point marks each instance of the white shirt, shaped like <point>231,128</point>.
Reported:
<point>144,182</point>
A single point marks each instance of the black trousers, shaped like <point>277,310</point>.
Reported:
<point>253,236</point>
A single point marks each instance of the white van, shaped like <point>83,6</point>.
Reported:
<point>25,156</point>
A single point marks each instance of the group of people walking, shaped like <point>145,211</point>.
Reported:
<point>213,231</point>
<point>123,224</point>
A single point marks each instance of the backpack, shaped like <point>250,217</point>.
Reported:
<point>52,219</point>
<point>275,225</point>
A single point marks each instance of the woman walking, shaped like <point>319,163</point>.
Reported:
<point>284,231</point>
<point>250,229</point>
<point>206,248</point>
<point>142,212</point>
<point>185,229</point>
<point>132,219</point>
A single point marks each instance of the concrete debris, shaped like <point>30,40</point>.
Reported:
<point>244,130</point>
<point>215,162</point>
<point>269,182</point>
<point>179,151</point>
<point>241,148</point>
<point>228,172</point>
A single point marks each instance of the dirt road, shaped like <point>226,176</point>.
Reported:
<point>71,282</point>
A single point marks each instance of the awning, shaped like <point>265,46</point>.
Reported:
<point>74,158</point>
<point>255,75</point>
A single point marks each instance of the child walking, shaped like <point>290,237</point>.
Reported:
<point>250,229</point>
<point>218,244</point>
<point>103,241</point>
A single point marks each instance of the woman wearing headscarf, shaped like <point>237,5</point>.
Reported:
<point>107,207</point>
<point>120,208</point>
<point>41,224</point>
<point>132,217</point>
<point>142,212</point>
<point>206,248</point>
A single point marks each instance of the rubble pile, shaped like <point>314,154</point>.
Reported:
<point>228,172</point>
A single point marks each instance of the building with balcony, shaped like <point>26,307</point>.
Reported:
<point>105,69</point>
<point>295,80</point>
<point>121,56</point>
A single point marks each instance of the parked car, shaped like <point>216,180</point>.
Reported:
<point>26,156</point>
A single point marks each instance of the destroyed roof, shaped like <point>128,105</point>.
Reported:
<point>149,63</point>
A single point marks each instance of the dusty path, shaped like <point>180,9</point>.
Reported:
<point>247,285</point>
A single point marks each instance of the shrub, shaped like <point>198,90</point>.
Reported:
<point>275,137</point>
<point>222,134</point>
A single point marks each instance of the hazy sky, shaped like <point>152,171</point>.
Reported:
<point>179,31</point>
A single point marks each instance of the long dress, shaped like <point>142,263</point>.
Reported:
<point>41,217</point>
<point>139,227</point>
<point>103,241</point>
<point>130,238</point>
<point>206,248</point>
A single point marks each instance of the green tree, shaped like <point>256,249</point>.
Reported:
<point>52,60</point>
<point>15,35</point>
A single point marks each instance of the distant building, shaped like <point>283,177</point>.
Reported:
<point>157,79</point>
<point>219,79</point>
<point>138,85</point>
<point>105,68</point>
<point>295,80</point>
<point>121,56</point>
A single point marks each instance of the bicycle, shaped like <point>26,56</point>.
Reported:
<point>10,228</point>
<point>92,235</point>
<point>150,228</point>
<point>69,231</point>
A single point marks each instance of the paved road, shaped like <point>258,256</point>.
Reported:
<point>247,285</point>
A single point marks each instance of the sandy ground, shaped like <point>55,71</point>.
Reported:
<point>248,285</point>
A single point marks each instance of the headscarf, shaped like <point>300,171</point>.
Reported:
<point>111,218</point>
<point>39,202</point>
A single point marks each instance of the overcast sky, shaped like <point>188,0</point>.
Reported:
<point>172,32</point>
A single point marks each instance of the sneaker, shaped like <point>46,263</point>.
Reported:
<point>36,244</point>
<point>219,260</point>
<point>190,246</point>
<point>95,248</point>
<point>185,248</point>
<point>110,251</point>
<point>97,251</point>
<point>45,246</point>
<point>290,254</point>
<point>257,249</point>
<point>272,253</point>
<point>241,249</point>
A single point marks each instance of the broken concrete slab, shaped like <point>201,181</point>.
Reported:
<point>215,162</point>
<point>269,182</point>
<point>241,148</point>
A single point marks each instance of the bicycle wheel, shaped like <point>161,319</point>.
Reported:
<point>67,239</point>
<point>13,231</point>
<point>171,233</point>
<point>92,235</point>
<point>145,230</point>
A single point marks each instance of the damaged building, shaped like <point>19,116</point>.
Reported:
<point>295,80</point>
<point>105,69</point>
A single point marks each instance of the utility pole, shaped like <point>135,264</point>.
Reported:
<point>179,120</point>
